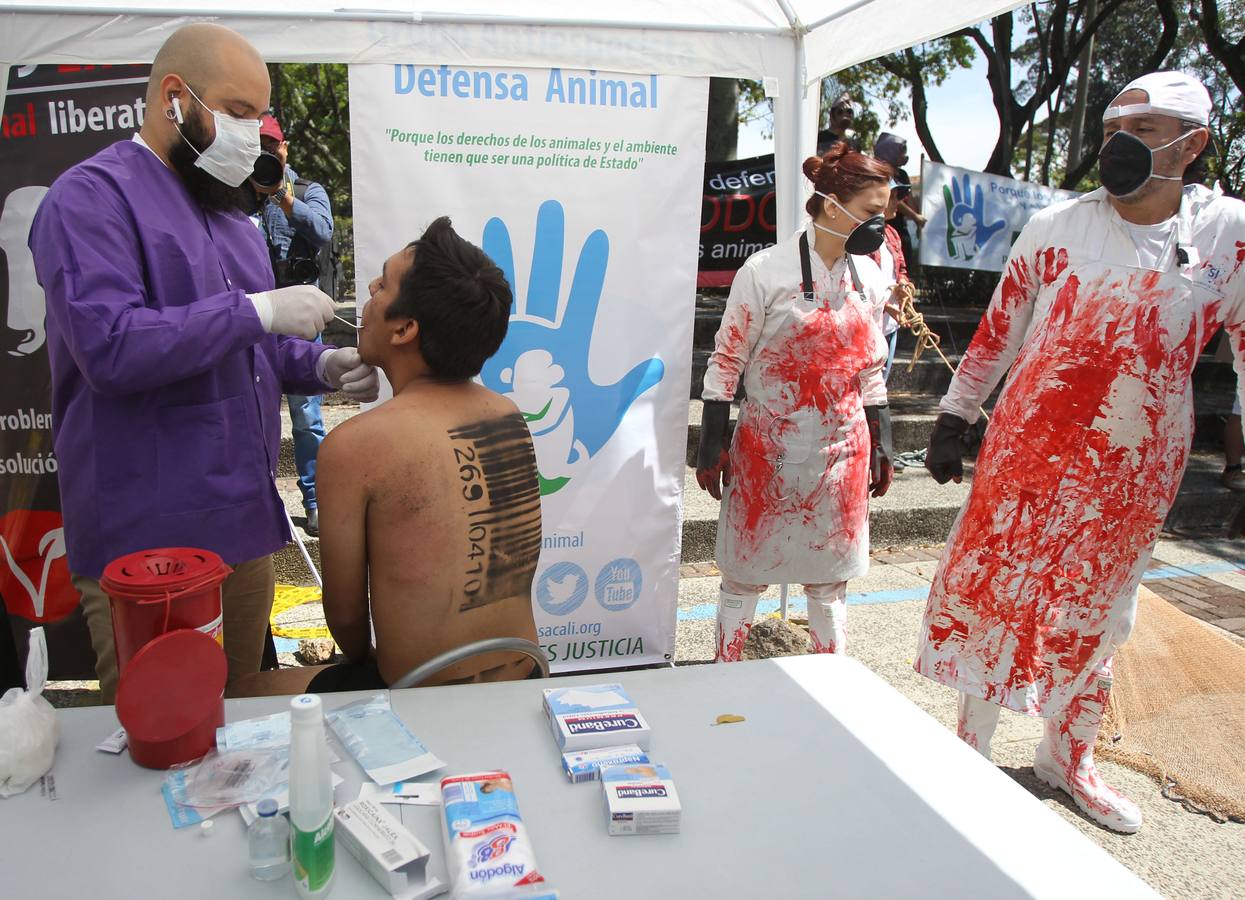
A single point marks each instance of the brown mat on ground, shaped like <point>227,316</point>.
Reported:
<point>1178,709</point>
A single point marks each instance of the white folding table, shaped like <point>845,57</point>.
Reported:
<point>835,785</point>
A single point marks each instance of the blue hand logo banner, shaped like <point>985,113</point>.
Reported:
<point>973,217</point>
<point>587,197</point>
<point>967,228</point>
<point>543,363</point>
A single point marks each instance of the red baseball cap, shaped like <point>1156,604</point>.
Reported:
<point>270,127</point>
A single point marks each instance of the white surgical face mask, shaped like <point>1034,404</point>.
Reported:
<point>231,156</point>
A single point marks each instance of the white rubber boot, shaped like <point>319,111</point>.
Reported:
<point>827,616</point>
<point>1065,759</point>
<point>736,607</point>
<point>977,721</point>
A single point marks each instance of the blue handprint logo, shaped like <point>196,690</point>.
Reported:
<point>967,231</point>
<point>543,363</point>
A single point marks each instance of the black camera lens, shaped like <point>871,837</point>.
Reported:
<point>296,271</point>
<point>268,170</point>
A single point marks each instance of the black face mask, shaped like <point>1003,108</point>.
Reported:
<point>862,240</point>
<point>1125,163</point>
<point>866,237</point>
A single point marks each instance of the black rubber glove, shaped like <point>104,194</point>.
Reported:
<point>944,458</point>
<point>881,449</point>
<point>713,466</point>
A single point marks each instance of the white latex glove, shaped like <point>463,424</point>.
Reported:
<point>300,310</point>
<point>342,369</point>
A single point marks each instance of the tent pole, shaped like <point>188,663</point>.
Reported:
<point>796,111</point>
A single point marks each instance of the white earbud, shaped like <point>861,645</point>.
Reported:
<point>177,111</point>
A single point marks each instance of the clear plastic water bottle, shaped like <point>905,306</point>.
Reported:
<point>268,839</point>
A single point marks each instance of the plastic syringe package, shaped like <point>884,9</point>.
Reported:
<point>380,742</point>
<point>489,853</point>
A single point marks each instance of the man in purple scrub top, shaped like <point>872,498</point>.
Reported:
<point>170,349</point>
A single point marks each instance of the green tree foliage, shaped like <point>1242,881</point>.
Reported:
<point>1223,33</point>
<point>1219,57</point>
<point>1033,57</point>
<point>1030,55</point>
<point>1143,36</point>
<point>895,83</point>
<point>898,81</point>
<point>1138,36</point>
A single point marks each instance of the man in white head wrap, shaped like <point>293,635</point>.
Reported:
<point>1104,306</point>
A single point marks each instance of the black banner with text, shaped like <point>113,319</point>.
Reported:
<point>738,217</point>
<point>54,117</point>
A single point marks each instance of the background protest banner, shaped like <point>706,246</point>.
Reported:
<point>54,117</point>
<point>582,187</point>
<point>737,217</point>
<point>973,218</point>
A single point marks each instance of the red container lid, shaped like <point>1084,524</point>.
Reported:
<point>169,570</point>
<point>170,686</point>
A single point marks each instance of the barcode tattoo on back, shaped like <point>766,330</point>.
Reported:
<point>497,467</point>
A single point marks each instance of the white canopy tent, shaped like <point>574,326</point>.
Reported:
<point>789,45</point>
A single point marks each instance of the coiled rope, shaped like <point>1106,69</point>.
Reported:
<point>915,322</point>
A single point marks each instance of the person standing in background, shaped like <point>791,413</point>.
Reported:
<point>893,149</point>
<point>1233,477</point>
<point>297,220</point>
<point>842,116</point>
<point>890,260</point>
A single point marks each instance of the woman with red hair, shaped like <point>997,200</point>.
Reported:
<point>802,334</point>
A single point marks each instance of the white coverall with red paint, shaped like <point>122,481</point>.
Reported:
<point>797,506</point>
<point>1085,451</point>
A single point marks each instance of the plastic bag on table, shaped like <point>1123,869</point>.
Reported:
<point>28,725</point>
<point>233,777</point>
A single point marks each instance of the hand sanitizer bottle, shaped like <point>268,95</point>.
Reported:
<point>311,799</point>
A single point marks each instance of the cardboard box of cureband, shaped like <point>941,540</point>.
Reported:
<point>594,716</point>
<point>383,846</point>
<point>641,799</point>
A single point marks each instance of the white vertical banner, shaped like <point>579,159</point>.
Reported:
<point>584,187</point>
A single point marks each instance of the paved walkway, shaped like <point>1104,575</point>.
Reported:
<point>1202,574</point>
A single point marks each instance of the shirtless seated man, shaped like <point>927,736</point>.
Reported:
<point>429,504</point>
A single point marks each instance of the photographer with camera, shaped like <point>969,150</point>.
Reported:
<point>297,221</point>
